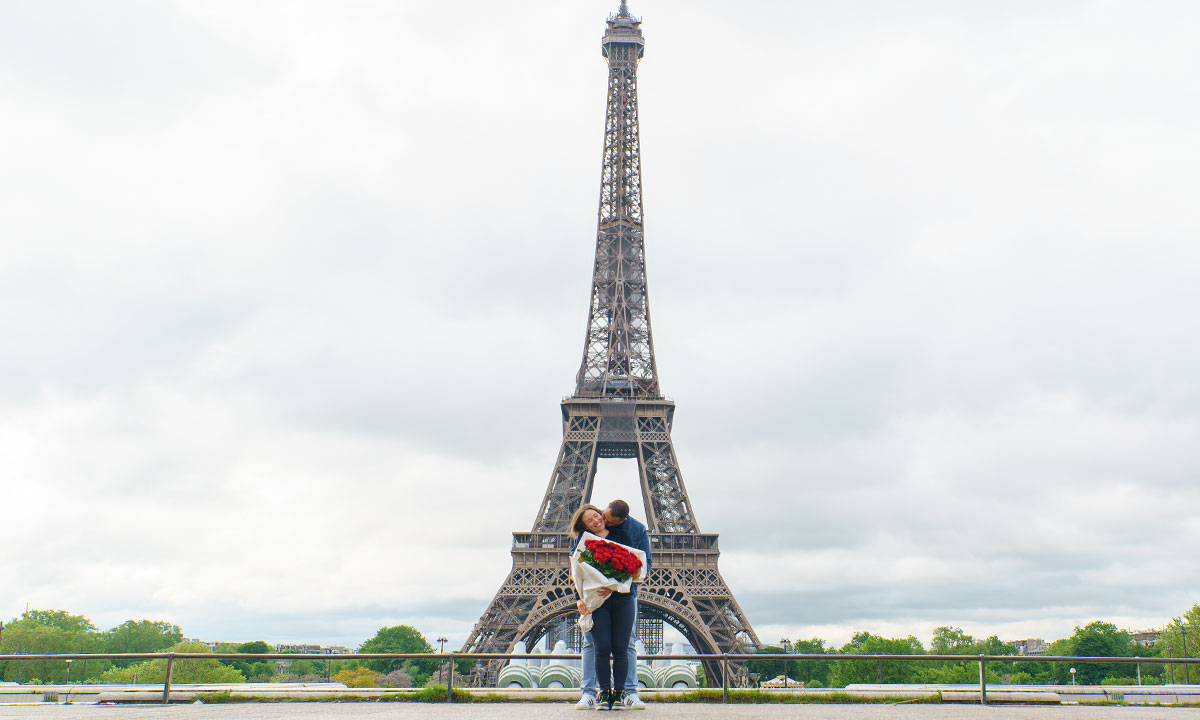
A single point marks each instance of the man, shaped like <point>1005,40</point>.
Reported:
<point>616,517</point>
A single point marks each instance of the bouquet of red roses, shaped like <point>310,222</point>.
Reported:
<point>600,564</point>
<point>611,558</point>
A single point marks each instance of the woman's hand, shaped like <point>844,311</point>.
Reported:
<point>603,592</point>
<point>582,607</point>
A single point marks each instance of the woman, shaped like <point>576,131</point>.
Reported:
<point>612,621</point>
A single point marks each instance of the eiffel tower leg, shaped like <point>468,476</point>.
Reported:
<point>574,472</point>
<point>686,590</point>
<point>538,590</point>
<point>668,509</point>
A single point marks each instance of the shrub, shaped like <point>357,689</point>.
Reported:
<point>397,678</point>
<point>358,677</point>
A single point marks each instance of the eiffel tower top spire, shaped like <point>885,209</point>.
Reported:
<point>618,354</point>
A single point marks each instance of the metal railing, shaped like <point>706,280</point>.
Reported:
<point>724,660</point>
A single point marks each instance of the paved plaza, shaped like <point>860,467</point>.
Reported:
<point>565,711</point>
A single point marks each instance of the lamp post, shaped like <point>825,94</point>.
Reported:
<point>785,643</point>
<point>1072,676</point>
<point>1187,668</point>
<point>441,641</point>
<point>68,672</point>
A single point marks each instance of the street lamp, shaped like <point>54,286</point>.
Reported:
<point>1072,676</point>
<point>784,643</point>
<point>1187,667</point>
<point>68,672</point>
<point>441,641</point>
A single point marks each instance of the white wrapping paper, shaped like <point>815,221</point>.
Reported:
<point>589,581</point>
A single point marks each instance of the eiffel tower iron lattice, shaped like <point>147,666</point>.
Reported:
<point>617,411</point>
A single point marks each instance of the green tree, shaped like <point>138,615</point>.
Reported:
<point>304,668</point>
<point>258,672</point>
<point>813,673</point>
<point>767,669</point>
<point>141,636</point>
<point>1100,639</point>
<point>995,646</point>
<point>401,639</point>
<point>258,647</point>
<point>199,670</point>
<point>846,672</point>
<point>1181,638</point>
<point>951,641</point>
<point>60,619</point>
<point>1151,673</point>
<point>1096,639</point>
<point>50,632</point>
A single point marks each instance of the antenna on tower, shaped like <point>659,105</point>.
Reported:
<point>624,8</point>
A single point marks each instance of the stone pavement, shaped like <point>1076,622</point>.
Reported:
<point>565,711</point>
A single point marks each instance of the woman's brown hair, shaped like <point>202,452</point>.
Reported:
<point>577,526</point>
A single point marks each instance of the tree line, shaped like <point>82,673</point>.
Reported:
<point>58,632</point>
<point>1095,639</point>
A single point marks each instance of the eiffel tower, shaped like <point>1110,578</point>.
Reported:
<point>617,411</point>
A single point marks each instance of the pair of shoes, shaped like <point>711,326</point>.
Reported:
<point>586,702</point>
<point>633,702</point>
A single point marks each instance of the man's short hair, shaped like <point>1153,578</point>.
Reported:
<point>619,509</point>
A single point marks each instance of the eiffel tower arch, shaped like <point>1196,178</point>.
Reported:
<point>617,411</point>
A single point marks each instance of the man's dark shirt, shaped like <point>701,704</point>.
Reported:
<point>619,534</point>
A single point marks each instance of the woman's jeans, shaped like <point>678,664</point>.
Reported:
<point>611,631</point>
<point>588,684</point>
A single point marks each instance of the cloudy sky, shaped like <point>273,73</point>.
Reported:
<point>290,293</point>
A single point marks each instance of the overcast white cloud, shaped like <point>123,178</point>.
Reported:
<point>290,293</point>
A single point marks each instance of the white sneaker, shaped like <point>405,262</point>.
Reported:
<point>633,702</point>
<point>586,702</point>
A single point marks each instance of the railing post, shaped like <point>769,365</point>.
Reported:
<point>167,679</point>
<point>449,681</point>
<point>982,680</point>
<point>724,677</point>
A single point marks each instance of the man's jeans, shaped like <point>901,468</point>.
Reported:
<point>590,684</point>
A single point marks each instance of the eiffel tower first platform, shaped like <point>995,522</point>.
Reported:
<point>617,411</point>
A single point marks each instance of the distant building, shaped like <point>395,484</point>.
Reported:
<point>307,649</point>
<point>1030,646</point>
<point>1146,638</point>
<point>297,648</point>
<point>300,649</point>
<point>212,646</point>
<point>1038,646</point>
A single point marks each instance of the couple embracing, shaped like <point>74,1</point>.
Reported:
<point>608,601</point>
